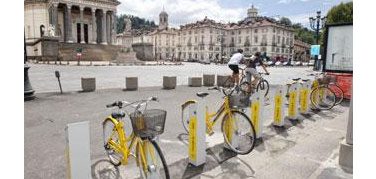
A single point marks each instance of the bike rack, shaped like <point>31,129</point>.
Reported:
<point>304,96</point>
<point>293,101</point>
<point>78,150</point>
<point>197,136</point>
<point>279,107</point>
<point>257,110</point>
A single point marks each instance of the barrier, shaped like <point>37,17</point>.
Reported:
<point>131,83</point>
<point>257,110</point>
<point>209,79</point>
<point>195,81</point>
<point>88,84</point>
<point>304,96</point>
<point>78,150</point>
<point>169,82</point>
<point>293,101</point>
<point>197,136</point>
<point>279,108</point>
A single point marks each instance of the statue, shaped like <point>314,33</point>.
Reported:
<point>51,31</point>
<point>127,25</point>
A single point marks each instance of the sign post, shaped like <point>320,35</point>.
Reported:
<point>279,109</point>
<point>293,101</point>
<point>197,136</point>
<point>257,109</point>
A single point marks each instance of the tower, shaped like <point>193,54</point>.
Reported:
<point>163,20</point>
<point>252,12</point>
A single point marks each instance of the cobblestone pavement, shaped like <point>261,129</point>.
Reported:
<point>42,76</point>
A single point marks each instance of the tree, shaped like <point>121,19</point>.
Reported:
<point>341,13</point>
<point>137,23</point>
<point>285,21</point>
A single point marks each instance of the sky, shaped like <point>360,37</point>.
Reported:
<point>189,11</point>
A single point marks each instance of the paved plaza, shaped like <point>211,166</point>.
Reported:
<point>42,76</point>
<point>305,148</point>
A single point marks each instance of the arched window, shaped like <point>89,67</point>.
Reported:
<point>42,30</point>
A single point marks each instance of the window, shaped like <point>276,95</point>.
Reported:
<point>216,48</point>
<point>247,31</point>
<point>240,32</point>
<point>232,39</point>
<point>273,29</point>
<point>211,31</point>
<point>190,32</point>
<point>277,50</point>
<point>279,40</point>
<point>239,40</point>
<point>218,38</point>
<point>196,39</point>
<point>273,49</point>
<point>263,49</point>
<point>256,30</point>
<point>211,39</point>
<point>202,31</point>
<point>202,48</point>
<point>256,39</point>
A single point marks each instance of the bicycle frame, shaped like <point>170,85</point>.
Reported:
<point>224,109</point>
<point>125,149</point>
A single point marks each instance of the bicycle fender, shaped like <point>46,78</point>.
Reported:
<point>187,103</point>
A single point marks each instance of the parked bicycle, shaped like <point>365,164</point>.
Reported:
<point>234,121</point>
<point>242,86</point>
<point>146,124</point>
<point>330,82</point>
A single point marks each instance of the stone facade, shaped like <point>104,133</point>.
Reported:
<point>75,21</point>
<point>210,40</point>
<point>302,51</point>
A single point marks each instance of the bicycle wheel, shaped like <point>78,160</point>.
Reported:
<point>154,165</point>
<point>242,128</point>
<point>228,84</point>
<point>323,98</point>
<point>263,86</point>
<point>111,134</point>
<point>338,92</point>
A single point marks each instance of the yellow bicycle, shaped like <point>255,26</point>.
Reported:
<point>146,124</point>
<point>235,124</point>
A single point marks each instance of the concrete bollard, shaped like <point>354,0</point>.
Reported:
<point>131,83</point>
<point>169,82</point>
<point>209,79</point>
<point>88,84</point>
<point>195,81</point>
<point>221,79</point>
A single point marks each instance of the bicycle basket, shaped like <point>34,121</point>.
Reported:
<point>149,123</point>
<point>239,101</point>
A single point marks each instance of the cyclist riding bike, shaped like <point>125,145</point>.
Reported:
<point>233,64</point>
<point>251,70</point>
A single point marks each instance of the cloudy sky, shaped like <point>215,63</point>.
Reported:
<point>188,11</point>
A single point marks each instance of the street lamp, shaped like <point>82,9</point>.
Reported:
<point>28,90</point>
<point>315,25</point>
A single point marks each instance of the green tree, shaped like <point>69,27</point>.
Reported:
<point>285,21</point>
<point>137,23</point>
<point>341,13</point>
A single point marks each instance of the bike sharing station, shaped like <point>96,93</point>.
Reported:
<point>293,101</point>
<point>279,108</point>
<point>257,110</point>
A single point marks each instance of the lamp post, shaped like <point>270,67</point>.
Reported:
<point>28,90</point>
<point>315,25</point>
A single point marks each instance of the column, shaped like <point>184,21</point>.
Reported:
<point>108,27</point>
<point>82,24</point>
<point>55,16</point>
<point>104,28</point>
<point>94,26</point>
<point>114,28</point>
<point>69,23</point>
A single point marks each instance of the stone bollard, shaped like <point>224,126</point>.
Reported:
<point>88,84</point>
<point>221,79</point>
<point>169,82</point>
<point>131,83</point>
<point>209,79</point>
<point>195,81</point>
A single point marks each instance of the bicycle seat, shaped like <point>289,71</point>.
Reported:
<point>296,79</point>
<point>202,94</point>
<point>117,115</point>
<point>305,80</point>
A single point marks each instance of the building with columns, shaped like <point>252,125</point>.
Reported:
<point>210,40</point>
<point>75,21</point>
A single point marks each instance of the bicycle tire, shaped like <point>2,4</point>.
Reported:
<point>337,91</point>
<point>323,104</point>
<point>228,85</point>
<point>252,137</point>
<point>108,128</point>
<point>145,172</point>
<point>185,119</point>
<point>263,85</point>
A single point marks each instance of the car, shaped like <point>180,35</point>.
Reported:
<point>278,63</point>
<point>204,61</point>
<point>298,63</point>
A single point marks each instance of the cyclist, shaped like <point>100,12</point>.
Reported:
<point>233,64</point>
<point>251,70</point>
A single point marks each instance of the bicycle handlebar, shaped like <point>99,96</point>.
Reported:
<point>122,104</point>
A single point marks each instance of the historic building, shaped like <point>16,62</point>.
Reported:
<point>74,21</point>
<point>209,40</point>
<point>302,51</point>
